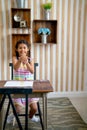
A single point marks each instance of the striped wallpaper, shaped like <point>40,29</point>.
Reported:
<point>64,63</point>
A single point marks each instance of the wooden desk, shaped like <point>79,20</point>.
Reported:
<point>40,89</point>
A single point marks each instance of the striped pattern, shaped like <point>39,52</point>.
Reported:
<point>64,64</point>
<point>22,73</point>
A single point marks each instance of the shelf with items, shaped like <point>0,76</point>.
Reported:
<point>21,17</point>
<point>51,24</point>
<point>16,37</point>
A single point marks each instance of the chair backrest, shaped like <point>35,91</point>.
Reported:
<point>35,65</point>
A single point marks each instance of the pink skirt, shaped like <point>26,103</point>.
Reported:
<point>22,101</point>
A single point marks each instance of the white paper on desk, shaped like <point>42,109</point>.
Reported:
<point>19,84</point>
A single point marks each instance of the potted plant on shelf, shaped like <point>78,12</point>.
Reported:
<point>47,5</point>
<point>44,32</point>
<point>47,8</point>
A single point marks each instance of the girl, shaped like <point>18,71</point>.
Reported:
<point>23,70</point>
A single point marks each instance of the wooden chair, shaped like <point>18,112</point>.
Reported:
<point>39,110</point>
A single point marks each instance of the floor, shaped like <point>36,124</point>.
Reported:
<point>81,105</point>
<point>61,116</point>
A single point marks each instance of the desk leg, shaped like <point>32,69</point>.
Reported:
<point>26,113</point>
<point>45,111</point>
<point>14,111</point>
<point>1,116</point>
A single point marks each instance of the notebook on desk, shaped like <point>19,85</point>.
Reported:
<point>28,84</point>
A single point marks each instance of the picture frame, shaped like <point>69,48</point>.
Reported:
<point>23,24</point>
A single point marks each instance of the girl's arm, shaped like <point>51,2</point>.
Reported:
<point>30,66</point>
<point>16,63</point>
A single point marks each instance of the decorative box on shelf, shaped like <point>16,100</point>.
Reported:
<point>16,37</point>
<point>21,17</point>
<point>51,25</point>
<point>21,26</point>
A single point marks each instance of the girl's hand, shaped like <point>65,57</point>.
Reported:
<point>24,59</point>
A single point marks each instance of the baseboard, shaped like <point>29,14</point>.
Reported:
<point>67,94</point>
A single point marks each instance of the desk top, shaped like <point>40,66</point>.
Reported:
<point>41,86</point>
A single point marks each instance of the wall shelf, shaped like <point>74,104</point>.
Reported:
<point>16,37</point>
<point>20,14</point>
<point>51,24</point>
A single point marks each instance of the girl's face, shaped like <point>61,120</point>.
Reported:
<point>22,49</point>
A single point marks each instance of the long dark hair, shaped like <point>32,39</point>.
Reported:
<point>22,42</point>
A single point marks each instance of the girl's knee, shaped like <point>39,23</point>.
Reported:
<point>33,107</point>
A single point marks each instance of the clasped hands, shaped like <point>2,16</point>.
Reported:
<point>23,59</point>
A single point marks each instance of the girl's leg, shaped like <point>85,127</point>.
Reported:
<point>18,104</point>
<point>18,108</point>
<point>11,117</point>
<point>33,109</point>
